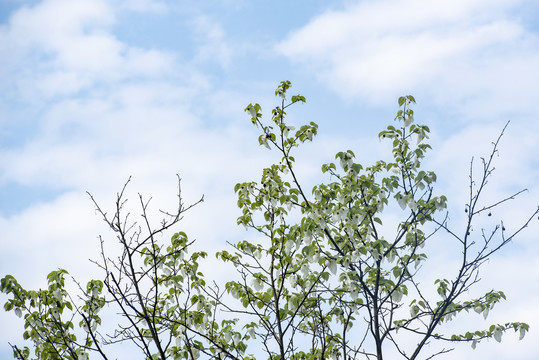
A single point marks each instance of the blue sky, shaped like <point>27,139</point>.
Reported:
<point>94,91</point>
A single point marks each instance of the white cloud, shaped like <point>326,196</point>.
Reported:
<point>212,43</point>
<point>51,23</point>
<point>453,51</point>
<point>70,47</point>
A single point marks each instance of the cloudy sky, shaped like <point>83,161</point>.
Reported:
<point>95,91</point>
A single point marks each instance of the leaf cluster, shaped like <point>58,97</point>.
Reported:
<point>331,274</point>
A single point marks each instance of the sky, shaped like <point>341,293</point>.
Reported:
<point>95,91</point>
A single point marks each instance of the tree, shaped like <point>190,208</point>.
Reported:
<point>331,278</point>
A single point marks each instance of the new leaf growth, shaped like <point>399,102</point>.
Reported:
<point>330,276</point>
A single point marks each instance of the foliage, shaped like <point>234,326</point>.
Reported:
<point>330,278</point>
